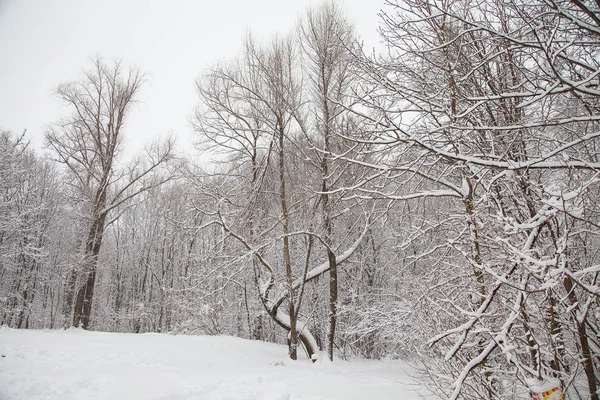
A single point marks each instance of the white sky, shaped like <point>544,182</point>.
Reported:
<point>46,42</point>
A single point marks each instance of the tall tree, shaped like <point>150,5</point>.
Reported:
<point>88,143</point>
<point>259,108</point>
<point>325,37</point>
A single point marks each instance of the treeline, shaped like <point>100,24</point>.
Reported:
<point>438,202</point>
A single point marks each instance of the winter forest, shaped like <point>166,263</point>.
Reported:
<point>437,201</point>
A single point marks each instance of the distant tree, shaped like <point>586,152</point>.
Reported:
<point>29,196</point>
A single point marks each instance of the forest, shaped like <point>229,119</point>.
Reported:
<point>438,201</point>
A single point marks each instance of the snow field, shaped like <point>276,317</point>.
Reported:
<point>77,364</point>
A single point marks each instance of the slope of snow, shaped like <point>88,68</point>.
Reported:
<point>76,364</point>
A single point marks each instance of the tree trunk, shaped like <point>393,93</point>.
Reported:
<point>83,305</point>
<point>333,298</point>
<point>69,296</point>
<point>85,294</point>
<point>586,355</point>
<point>293,339</point>
<point>333,277</point>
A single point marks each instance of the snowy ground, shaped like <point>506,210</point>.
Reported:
<point>76,364</point>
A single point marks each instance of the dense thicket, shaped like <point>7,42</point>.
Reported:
<point>437,202</point>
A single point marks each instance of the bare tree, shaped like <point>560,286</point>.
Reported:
<point>325,37</point>
<point>274,93</point>
<point>257,110</point>
<point>88,143</point>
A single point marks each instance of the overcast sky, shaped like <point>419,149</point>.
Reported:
<point>46,42</point>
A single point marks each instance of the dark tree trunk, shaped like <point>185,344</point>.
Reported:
<point>293,342</point>
<point>85,294</point>
<point>69,297</point>
<point>83,306</point>
<point>333,298</point>
<point>333,276</point>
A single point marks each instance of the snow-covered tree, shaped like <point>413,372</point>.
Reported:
<point>489,114</point>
